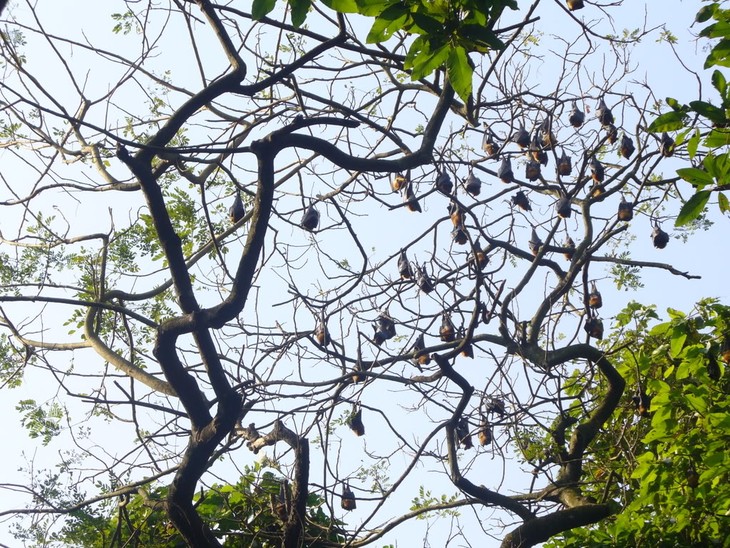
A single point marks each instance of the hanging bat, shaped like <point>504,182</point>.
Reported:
<point>713,368</point>
<point>478,256</point>
<point>399,182</point>
<point>322,334</point>
<point>423,281</point>
<point>569,250</point>
<point>409,198</point>
<point>577,116</point>
<point>456,214</point>
<point>659,237</point>
<point>236,212</point>
<point>597,171</point>
<point>404,266</point>
<point>473,185</point>
<point>443,183</point>
<point>627,147</point>
<point>459,235</point>
<point>521,137</point>
<point>354,421</point>
<point>666,145</point>
<point>522,201</point>
<point>496,406</point>
<point>534,243</point>
<point>574,5</point>
<point>642,402</point>
<point>594,328</point>
<point>461,431</point>
<point>386,325</point>
<point>485,433</point>
<point>348,498</point>
<point>532,170</point>
<point>594,297</point>
<point>565,165</point>
<point>604,114</point>
<point>310,220</point>
<point>447,331</point>
<point>420,356</point>
<point>611,134</point>
<point>489,145</point>
<point>562,207</point>
<point>547,136</point>
<point>725,349</point>
<point>625,210</point>
<point>505,171</point>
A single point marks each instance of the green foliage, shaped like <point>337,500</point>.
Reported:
<point>41,421</point>
<point>714,173</point>
<point>668,472</point>
<point>245,514</point>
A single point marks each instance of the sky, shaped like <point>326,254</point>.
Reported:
<point>651,67</point>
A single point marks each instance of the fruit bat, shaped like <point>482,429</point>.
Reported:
<point>485,433</point>
<point>489,145</point>
<point>597,171</point>
<point>642,402</point>
<point>611,134</point>
<point>604,114</point>
<point>547,137</point>
<point>521,137</point>
<point>443,183</point>
<point>594,328</point>
<point>354,421</point>
<point>522,201</point>
<point>569,250</point>
<point>420,356</point>
<point>666,145</point>
<point>713,368</point>
<point>496,406</point>
<point>236,212</point>
<point>534,243</point>
<point>409,198</point>
<point>459,235</point>
<point>348,498</point>
<point>461,431</point>
<point>575,4</point>
<point>399,181</point>
<point>577,116</point>
<point>693,478</point>
<point>473,185</point>
<point>478,256</point>
<point>594,297</point>
<point>322,334</point>
<point>423,281</point>
<point>456,214</point>
<point>310,220</point>
<point>386,325</point>
<point>404,266</point>
<point>627,147</point>
<point>447,331</point>
<point>563,207</point>
<point>505,171</point>
<point>725,349</point>
<point>659,237</point>
<point>532,170</point>
<point>565,165</point>
<point>625,210</point>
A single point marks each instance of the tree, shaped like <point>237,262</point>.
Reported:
<point>217,248</point>
<point>664,456</point>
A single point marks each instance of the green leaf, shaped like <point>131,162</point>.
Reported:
<point>427,61</point>
<point>697,177</point>
<point>669,121</point>
<point>718,80</point>
<point>717,115</point>
<point>342,6</point>
<point>692,208</point>
<point>393,18</point>
<point>693,143</point>
<point>261,8</point>
<point>460,72</point>
<point>718,138</point>
<point>672,102</point>
<point>299,11</point>
<point>723,202</point>
<point>705,13</point>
